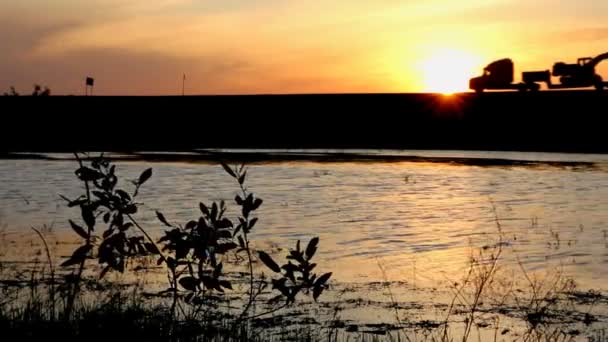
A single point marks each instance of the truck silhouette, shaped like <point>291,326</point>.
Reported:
<point>499,75</point>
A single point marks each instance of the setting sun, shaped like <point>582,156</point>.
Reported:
<point>448,71</point>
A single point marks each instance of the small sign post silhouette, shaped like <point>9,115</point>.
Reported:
<point>90,82</point>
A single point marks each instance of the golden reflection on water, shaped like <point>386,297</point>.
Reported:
<point>421,221</point>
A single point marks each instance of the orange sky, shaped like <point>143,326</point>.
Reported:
<point>271,46</point>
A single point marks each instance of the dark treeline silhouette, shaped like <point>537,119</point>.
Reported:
<point>38,91</point>
<point>572,121</point>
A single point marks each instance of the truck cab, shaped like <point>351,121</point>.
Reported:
<point>496,75</point>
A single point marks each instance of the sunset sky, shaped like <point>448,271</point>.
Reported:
<point>285,46</point>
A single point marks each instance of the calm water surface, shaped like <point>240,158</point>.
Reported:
<point>419,220</point>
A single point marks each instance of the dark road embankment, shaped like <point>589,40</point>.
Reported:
<point>571,121</point>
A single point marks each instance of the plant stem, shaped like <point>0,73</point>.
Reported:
<point>76,285</point>
<point>52,283</point>
<point>251,297</point>
<point>164,259</point>
<point>143,231</point>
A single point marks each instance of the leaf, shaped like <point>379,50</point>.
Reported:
<point>249,199</point>
<point>225,284</point>
<point>213,211</point>
<point>242,178</point>
<point>140,249</point>
<point>126,226</point>
<point>228,169</point>
<point>312,248</point>
<point>106,217</point>
<point>191,224</point>
<point>181,251</point>
<point>131,209</point>
<point>99,194</point>
<point>151,248</point>
<point>144,176</point>
<point>278,283</point>
<point>87,174</point>
<point>209,282</point>
<point>267,260</point>
<point>70,262</point>
<point>316,292</point>
<point>88,216</point>
<point>322,279</point>
<point>204,208</point>
<point>107,233</point>
<point>202,224</point>
<point>189,283</point>
<point>252,223</point>
<point>224,233</point>
<point>78,256</point>
<point>238,200</point>
<point>171,263</point>
<point>223,223</point>
<point>77,202</point>
<point>256,204</point>
<point>104,271</point>
<point>79,230</point>
<point>225,247</point>
<point>241,242</point>
<point>295,255</point>
<point>289,267</point>
<point>124,195</point>
<point>118,220</point>
<point>162,219</point>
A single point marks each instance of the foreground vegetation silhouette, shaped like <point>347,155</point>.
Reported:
<point>192,254</point>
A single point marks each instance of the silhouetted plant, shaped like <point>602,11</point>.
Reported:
<point>298,276</point>
<point>249,203</point>
<point>192,252</point>
<point>194,249</point>
<point>102,199</point>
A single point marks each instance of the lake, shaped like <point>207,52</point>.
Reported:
<point>419,221</point>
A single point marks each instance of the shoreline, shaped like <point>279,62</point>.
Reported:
<point>268,157</point>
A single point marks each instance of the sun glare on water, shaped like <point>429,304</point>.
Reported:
<point>448,71</point>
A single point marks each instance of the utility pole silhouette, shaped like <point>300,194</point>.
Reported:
<point>183,84</point>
